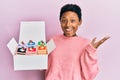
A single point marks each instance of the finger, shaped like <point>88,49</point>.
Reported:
<point>107,37</point>
<point>103,40</point>
<point>93,41</point>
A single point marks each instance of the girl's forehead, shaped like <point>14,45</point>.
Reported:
<point>69,14</point>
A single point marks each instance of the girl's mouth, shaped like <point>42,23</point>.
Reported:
<point>68,29</point>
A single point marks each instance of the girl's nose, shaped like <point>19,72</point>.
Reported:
<point>68,23</point>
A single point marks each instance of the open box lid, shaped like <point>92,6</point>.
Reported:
<point>12,45</point>
<point>34,30</point>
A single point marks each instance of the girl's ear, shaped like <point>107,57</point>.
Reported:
<point>80,22</point>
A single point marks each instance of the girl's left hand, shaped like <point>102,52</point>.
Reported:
<point>98,43</point>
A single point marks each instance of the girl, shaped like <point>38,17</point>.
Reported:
<point>74,57</point>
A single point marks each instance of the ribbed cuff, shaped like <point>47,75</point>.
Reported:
<point>90,48</point>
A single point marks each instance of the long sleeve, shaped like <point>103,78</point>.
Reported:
<point>89,65</point>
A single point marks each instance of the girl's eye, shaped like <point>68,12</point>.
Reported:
<point>72,21</point>
<point>63,21</point>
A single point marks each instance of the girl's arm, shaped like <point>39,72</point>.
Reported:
<point>89,65</point>
<point>88,60</point>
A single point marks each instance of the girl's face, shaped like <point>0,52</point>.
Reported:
<point>69,23</point>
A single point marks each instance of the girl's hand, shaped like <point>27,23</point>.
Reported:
<point>98,43</point>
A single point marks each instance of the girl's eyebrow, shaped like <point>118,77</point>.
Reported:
<point>63,17</point>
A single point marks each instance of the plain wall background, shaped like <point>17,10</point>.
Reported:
<point>100,18</point>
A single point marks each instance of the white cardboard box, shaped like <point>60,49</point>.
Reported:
<point>34,30</point>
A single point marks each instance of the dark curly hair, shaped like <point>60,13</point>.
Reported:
<point>71,7</point>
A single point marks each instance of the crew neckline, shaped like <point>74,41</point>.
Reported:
<point>66,37</point>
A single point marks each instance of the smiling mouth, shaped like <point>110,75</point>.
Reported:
<point>68,29</point>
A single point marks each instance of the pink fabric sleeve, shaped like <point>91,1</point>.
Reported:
<point>89,66</point>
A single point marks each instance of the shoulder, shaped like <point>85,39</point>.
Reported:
<point>56,37</point>
<point>83,39</point>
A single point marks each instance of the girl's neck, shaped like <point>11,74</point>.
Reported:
<point>70,36</point>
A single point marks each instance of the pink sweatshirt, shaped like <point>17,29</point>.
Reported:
<point>73,59</point>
